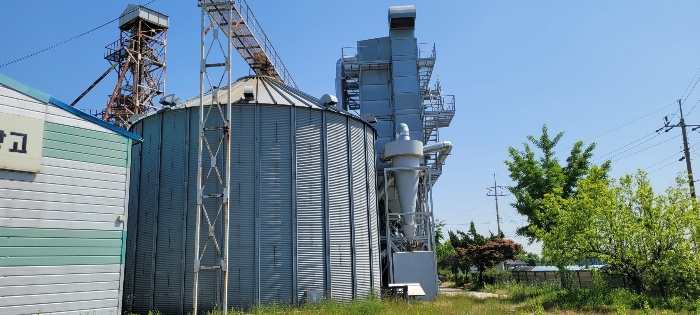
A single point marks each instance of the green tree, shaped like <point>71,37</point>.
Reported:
<point>439,234</point>
<point>531,259</point>
<point>482,252</point>
<point>488,255</point>
<point>651,239</point>
<point>446,257</point>
<point>445,253</point>
<point>536,177</point>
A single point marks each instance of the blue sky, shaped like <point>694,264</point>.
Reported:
<point>581,67</point>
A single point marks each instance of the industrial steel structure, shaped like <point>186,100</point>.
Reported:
<point>224,24</point>
<point>388,78</point>
<point>253,192</point>
<point>302,202</point>
<point>238,24</point>
<point>281,199</point>
<point>139,57</point>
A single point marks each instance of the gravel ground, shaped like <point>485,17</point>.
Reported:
<point>480,295</point>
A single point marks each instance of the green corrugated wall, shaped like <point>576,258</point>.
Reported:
<point>78,144</point>
<point>55,247</point>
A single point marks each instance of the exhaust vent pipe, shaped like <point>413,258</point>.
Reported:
<point>248,93</point>
<point>401,17</point>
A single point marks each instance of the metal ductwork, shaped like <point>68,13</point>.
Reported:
<point>402,17</point>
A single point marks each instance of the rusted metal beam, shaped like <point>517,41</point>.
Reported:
<point>93,84</point>
<point>116,88</point>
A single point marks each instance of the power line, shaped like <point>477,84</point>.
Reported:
<point>642,150</point>
<point>621,126</point>
<point>72,38</point>
<point>472,209</point>
<point>633,121</point>
<point>691,109</point>
<point>667,165</point>
<point>627,145</point>
<point>691,82</point>
<point>686,90</point>
<point>691,90</point>
<point>504,179</point>
<point>666,159</point>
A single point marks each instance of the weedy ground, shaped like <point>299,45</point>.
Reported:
<point>513,299</point>
<point>520,300</point>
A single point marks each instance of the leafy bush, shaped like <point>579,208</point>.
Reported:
<point>494,276</point>
<point>460,280</point>
<point>445,275</point>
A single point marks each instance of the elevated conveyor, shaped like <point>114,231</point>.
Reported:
<point>248,38</point>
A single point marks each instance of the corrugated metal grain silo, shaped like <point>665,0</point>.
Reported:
<point>302,204</point>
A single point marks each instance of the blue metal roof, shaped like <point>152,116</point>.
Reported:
<point>555,268</point>
<point>46,98</point>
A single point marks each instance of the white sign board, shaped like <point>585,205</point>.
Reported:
<point>21,141</point>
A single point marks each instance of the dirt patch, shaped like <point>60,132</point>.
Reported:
<point>480,295</point>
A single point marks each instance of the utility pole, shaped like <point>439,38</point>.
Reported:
<point>493,191</point>
<point>685,146</point>
<point>687,152</point>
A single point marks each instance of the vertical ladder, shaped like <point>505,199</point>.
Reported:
<point>213,159</point>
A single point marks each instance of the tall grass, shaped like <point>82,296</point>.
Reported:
<point>538,299</point>
<point>599,298</point>
<point>444,304</point>
<point>366,306</point>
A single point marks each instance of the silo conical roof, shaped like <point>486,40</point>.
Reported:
<point>266,90</point>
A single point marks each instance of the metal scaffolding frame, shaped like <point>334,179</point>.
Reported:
<point>425,219</point>
<point>438,111</point>
<point>214,121</point>
<point>352,70</point>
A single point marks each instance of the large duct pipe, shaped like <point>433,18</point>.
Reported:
<point>436,147</point>
<point>405,152</point>
<point>339,77</point>
<point>444,148</point>
<point>404,133</point>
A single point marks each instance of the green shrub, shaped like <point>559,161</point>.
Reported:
<point>446,275</point>
<point>460,280</point>
<point>495,276</point>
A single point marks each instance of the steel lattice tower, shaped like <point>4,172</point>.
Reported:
<point>140,57</point>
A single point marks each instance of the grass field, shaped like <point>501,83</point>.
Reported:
<point>512,298</point>
<point>461,303</point>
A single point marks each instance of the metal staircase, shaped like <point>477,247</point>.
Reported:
<point>248,38</point>
<point>438,111</point>
<point>426,64</point>
<point>353,64</point>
